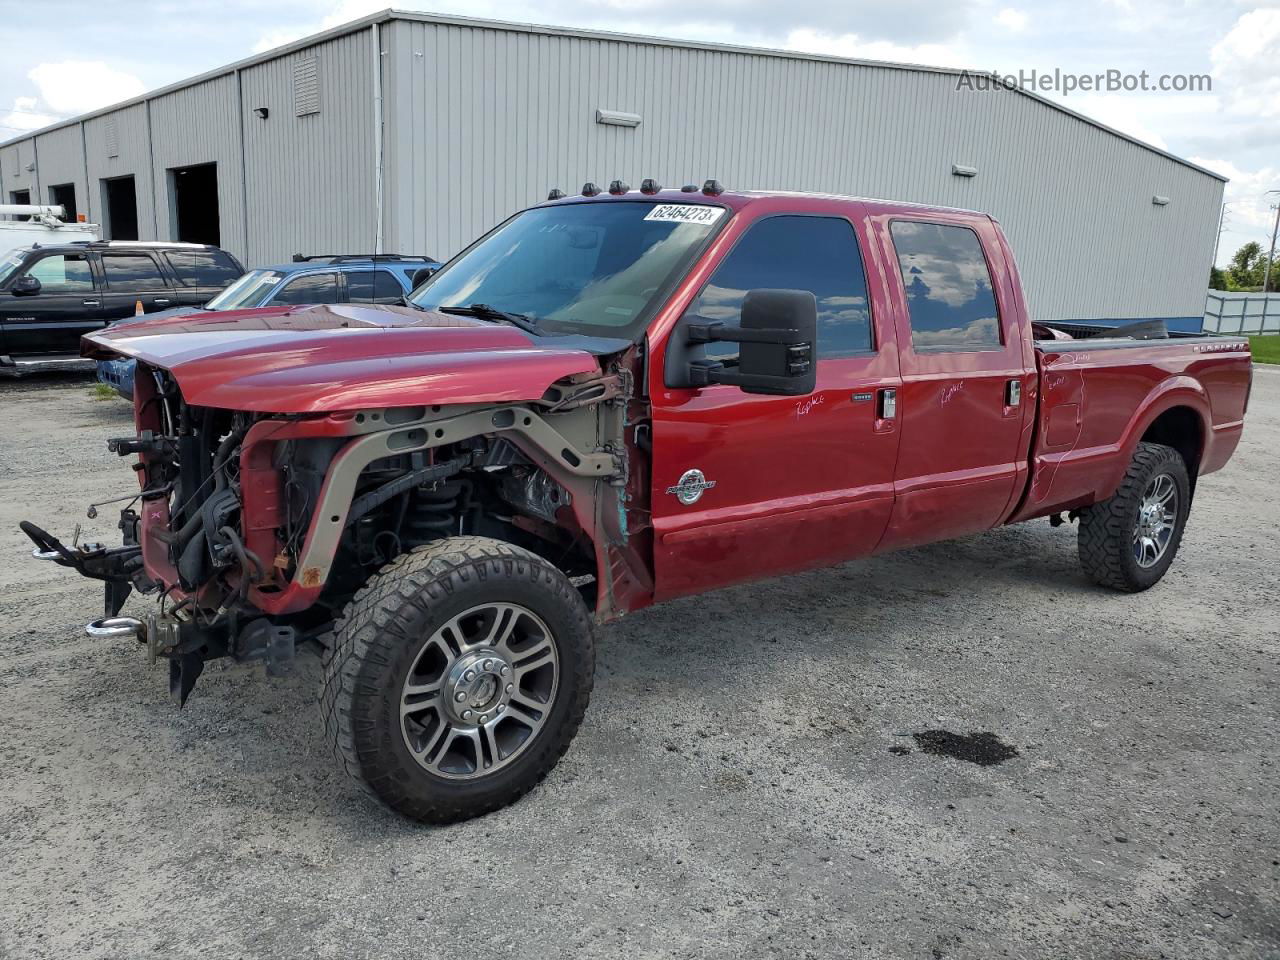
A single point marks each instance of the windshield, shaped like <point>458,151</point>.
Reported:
<point>593,268</point>
<point>11,262</point>
<point>248,291</point>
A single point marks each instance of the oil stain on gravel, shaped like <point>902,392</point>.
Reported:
<point>984,749</point>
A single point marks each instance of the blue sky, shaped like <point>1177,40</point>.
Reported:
<point>64,57</point>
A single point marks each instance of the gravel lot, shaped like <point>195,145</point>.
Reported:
<point>746,782</point>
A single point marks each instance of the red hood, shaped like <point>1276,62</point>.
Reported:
<point>342,357</point>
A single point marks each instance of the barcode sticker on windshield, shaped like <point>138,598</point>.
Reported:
<point>685,213</point>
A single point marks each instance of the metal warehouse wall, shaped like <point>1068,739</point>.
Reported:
<point>200,124</point>
<point>311,178</point>
<point>482,121</point>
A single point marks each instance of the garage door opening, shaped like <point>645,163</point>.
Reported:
<point>20,196</point>
<point>194,191</point>
<point>120,202</point>
<point>64,194</point>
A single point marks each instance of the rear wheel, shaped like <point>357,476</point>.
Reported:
<point>1128,541</point>
<point>459,675</point>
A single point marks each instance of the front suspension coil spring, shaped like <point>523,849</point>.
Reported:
<point>433,513</point>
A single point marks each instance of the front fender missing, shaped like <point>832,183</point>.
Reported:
<point>568,449</point>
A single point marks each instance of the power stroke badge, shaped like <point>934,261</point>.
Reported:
<point>691,486</point>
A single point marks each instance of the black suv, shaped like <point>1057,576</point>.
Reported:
<point>50,295</point>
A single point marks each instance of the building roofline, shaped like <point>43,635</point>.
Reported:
<point>390,14</point>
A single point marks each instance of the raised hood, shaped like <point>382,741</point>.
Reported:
<point>342,357</point>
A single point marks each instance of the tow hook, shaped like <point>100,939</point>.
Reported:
<point>110,628</point>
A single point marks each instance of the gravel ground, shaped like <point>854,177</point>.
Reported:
<point>746,782</point>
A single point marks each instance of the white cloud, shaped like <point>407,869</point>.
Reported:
<point>854,47</point>
<point>77,86</point>
<point>1246,64</point>
<point>24,115</point>
<point>1015,21</point>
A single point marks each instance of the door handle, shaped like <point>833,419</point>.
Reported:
<point>90,303</point>
<point>1013,393</point>
<point>159,300</point>
<point>888,404</point>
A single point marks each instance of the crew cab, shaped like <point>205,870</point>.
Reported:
<point>52,294</point>
<point>608,401</point>
<point>345,278</point>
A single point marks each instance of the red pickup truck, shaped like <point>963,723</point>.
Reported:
<point>608,401</point>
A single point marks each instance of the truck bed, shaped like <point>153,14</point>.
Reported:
<point>1101,395</point>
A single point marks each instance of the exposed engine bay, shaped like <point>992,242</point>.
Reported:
<point>254,530</point>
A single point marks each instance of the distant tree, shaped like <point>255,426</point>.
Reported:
<point>1217,279</point>
<point>1247,267</point>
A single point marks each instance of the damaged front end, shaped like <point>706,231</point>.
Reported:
<point>182,542</point>
<point>253,530</point>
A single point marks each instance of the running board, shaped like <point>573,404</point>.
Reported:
<point>22,368</point>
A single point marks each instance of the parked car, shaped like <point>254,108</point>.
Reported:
<point>52,294</point>
<point>606,402</point>
<point>308,280</point>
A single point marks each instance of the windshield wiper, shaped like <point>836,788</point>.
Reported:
<point>486,312</point>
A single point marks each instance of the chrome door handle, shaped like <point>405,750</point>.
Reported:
<point>1013,393</point>
<point>159,300</point>
<point>90,303</point>
<point>888,404</point>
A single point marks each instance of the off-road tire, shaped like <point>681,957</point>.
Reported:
<point>1107,528</point>
<point>374,645</point>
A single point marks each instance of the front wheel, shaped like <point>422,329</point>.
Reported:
<point>458,676</point>
<point>1128,541</point>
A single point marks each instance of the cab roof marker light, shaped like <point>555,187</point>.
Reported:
<point>689,188</point>
<point>649,186</point>
<point>618,187</point>
<point>556,194</point>
<point>712,188</point>
<point>589,189</point>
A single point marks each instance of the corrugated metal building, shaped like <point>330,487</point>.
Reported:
<point>415,133</point>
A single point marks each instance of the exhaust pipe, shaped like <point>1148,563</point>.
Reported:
<point>110,628</point>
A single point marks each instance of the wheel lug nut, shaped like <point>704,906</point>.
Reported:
<point>466,714</point>
<point>469,676</point>
<point>460,696</point>
<point>488,664</point>
<point>500,707</point>
<point>510,688</point>
<point>505,671</point>
<point>483,718</point>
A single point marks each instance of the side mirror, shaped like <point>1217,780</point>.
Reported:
<point>778,332</point>
<point>25,287</point>
<point>422,276</point>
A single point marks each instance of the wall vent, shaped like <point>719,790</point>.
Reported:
<point>306,87</point>
<point>113,137</point>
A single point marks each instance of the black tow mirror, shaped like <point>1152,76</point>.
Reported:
<point>25,286</point>
<point>777,335</point>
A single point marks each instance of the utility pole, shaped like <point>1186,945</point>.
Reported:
<point>1222,219</point>
<point>1266,277</point>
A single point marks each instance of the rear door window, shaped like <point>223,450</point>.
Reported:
<point>203,268</point>
<point>310,288</point>
<point>62,274</point>
<point>950,302</point>
<point>132,272</point>
<point>818,254</point>
<point>373,286</point>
